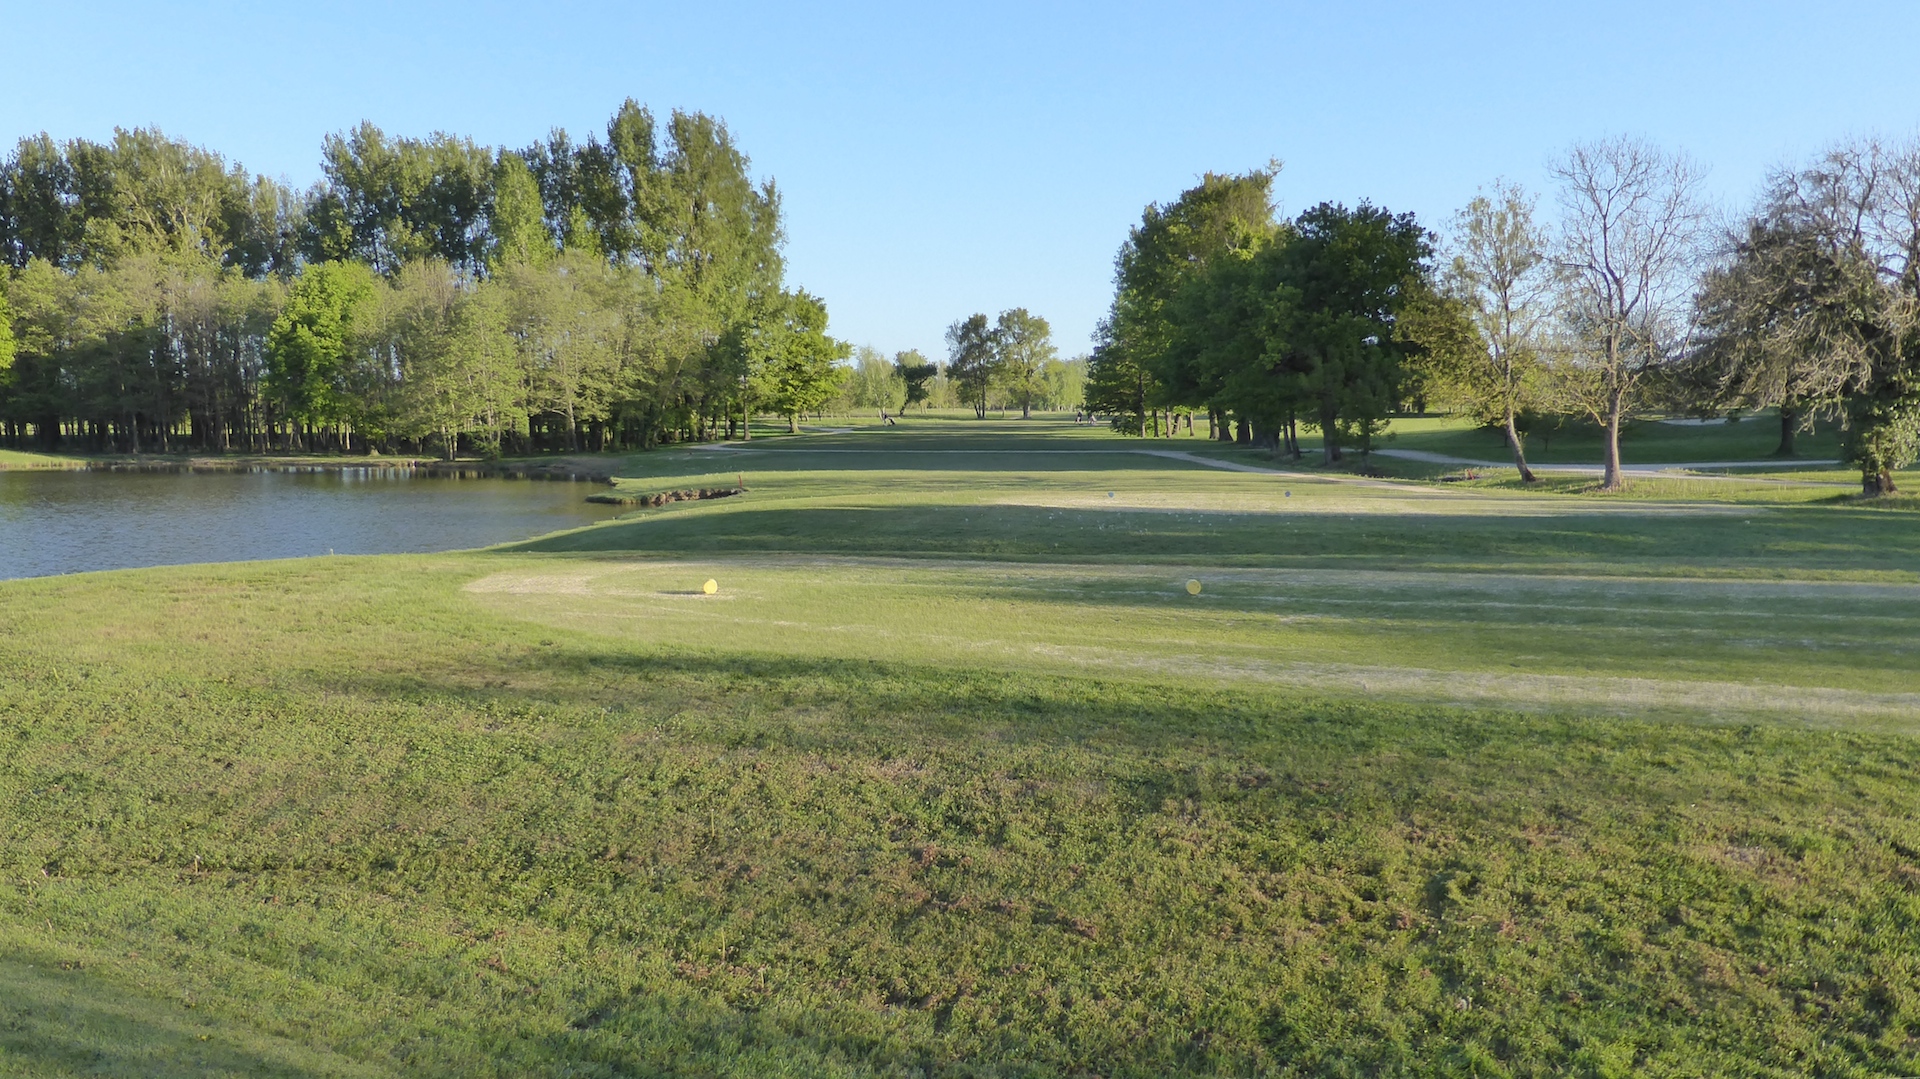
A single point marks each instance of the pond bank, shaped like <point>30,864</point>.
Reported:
<point>571,470</point>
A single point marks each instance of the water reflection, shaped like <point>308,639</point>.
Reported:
<point>67,522</point>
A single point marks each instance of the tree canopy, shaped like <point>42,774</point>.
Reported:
<point>1263,325</point>
<point>427,291</point>
<point>1817,309</point>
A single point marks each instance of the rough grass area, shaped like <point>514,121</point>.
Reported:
<point>953,777</point>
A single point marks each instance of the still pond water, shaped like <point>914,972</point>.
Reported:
<point>68,522</point>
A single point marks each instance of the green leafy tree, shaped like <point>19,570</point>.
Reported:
<point>1140,366</point>
<point>568,336</point>
<point>1118,386</point>
<point>457,375</point>
<point>1347,277</point>
<point>391,201</point>
<point>917,375</point>
<point>1219,345</point>
<point>6,331</point>
<point>516,218</point>
<point>801,370</point>
<point>1065,382</point>
<point>708,224</point>
<point>685,212</point>
<point>307,347</point>
<point>1022,349</point>
<point>218,323</point>
<point>628,266</point>
<point>1501,277</point>
<point>94,343</point>
<point>972,361</point>
<point>40,214</point>
<point>873,382</point>
<point>50,329</point>
<point>86,202</point>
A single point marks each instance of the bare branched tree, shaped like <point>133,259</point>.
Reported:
<point>1630,225</point>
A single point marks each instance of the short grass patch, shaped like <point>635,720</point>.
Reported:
<point>1648,441</point>
<point>954,777</point>
<point>18,459</point>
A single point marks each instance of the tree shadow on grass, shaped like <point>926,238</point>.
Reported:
<point>814,704</point>
<point>1799,541</point>
<point>59,1020</point>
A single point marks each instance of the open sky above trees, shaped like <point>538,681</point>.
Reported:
<point>941,162</point>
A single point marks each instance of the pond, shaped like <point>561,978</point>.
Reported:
<point>69,522</point>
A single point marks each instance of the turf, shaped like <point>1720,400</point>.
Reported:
<point>18,459</point>
<point>954,777</point>
<point>1648,441</point>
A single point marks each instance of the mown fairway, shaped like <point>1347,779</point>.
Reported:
<point>954,777</point>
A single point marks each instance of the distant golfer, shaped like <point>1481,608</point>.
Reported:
<point>886,419</point>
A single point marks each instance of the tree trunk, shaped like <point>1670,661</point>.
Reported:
<point>793,423</point>
<point>1243,432</point>
<point>1876,482</point>
<point>1519,451</point>
<point>1610,478</point>
<point>1329,434</point>
<point>1789,419</point>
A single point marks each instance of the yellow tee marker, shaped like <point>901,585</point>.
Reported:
<point>1193,588</point>
<point>710,587</point>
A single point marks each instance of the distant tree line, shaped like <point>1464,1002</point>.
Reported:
<point>1626,302</point>
<point>1009,362</point>
<point>1029,376</point>
<point>427,295</point>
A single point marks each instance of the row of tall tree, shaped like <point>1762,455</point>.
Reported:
<point>427,293</point>
<point>1627,300</point>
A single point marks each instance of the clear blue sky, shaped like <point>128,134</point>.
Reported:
<point>940,160</point>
